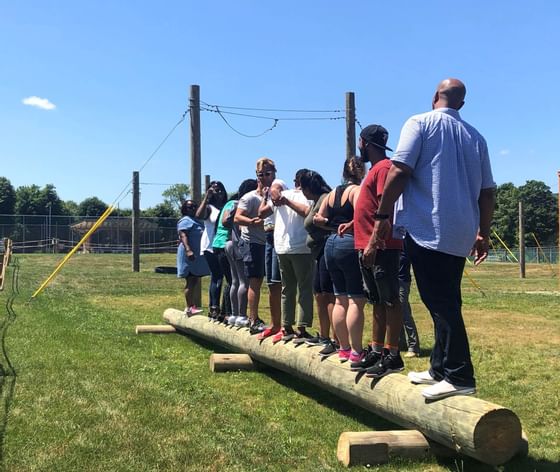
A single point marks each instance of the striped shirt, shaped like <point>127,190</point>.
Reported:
<point>450,166</point>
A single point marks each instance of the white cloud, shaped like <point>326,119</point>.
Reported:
<point>39,102</point>
<point>504,152</point>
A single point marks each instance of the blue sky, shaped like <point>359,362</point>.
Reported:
<point>118,74</point>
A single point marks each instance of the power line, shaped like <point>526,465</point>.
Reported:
<point>272,109</point>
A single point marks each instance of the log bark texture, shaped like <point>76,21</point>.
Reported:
<point>229,362</point>
<point>468,425</point>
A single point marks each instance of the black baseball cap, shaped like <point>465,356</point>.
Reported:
<point>376,135</point>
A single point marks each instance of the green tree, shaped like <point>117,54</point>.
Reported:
<point>70,208</point>
<point>506,213</point>
<point>33,200</point>
<point>92,206</point>
<point>7,197</point>
<point>541,214</point>
<point>176,194</point>
<point>161,210</point>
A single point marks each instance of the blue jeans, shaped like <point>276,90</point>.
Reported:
<point>438,276</point>
<point>343,265</point>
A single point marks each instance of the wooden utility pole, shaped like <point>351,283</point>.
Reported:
<point>558,256</point>
<point>194,108</point>
<point>135,221</point>
<point>521,241</point>
<point>350,125</point>
<point>206,182</point>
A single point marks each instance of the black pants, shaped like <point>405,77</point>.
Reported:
<point>438,277</point>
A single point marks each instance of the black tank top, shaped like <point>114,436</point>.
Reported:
<point>339,214</point>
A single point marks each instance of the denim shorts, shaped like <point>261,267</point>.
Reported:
<point>272,266</point>
<point>343,266</point>
<point>254,263</point>
<point>322,282</point>
<point>381,281</point>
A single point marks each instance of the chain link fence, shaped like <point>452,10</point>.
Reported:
<point>53,234</point>
<point>44,233</point>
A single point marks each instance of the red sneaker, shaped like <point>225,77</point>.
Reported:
<point>267,333</point>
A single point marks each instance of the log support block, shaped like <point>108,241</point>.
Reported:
<point>158,329</point>
<point>376,447</point>
<point>229,362</point>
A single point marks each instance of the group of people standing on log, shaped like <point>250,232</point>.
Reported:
<point>430,205</point>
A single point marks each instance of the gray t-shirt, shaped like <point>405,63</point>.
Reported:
<point>250,203</point>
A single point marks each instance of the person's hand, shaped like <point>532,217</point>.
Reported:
<point>381,232</point>
<point>256,221</point>
<point>368,256</point>
<point>344,228</point>
<point>280,201</point>
<point>480,249</point>
<point>319,220</point>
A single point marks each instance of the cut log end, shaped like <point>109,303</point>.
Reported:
<point>498,436</point>
<point>231,362</point>
<point>157,329</point>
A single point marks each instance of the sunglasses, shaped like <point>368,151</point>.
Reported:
<point>268,173</point>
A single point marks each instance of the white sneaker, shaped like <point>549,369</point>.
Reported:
<point>422,378</point>
<point>444,389</point>
<point>231,320</point>
<point>242,321</point>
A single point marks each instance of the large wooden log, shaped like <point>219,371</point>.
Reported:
<point>468,425</point>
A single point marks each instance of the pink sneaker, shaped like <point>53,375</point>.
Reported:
<point>344,354</point>
<point>357,357</point>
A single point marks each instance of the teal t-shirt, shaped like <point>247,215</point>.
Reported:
<point>222,234</point>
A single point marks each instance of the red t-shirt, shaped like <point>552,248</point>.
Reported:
<point>367,205</point>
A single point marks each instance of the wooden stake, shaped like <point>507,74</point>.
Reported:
<point>229,362</point>
<point>135,221</point>
<point>159,329</point>
<point>194,109</point>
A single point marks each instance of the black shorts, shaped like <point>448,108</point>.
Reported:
<point>253,261</point>
<point>381,281</point>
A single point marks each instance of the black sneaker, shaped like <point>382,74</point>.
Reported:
<point>368,361</point>
<point>301,338</point>
<point>329,349</point>
<point>387,365</point>
<point>257,327</point>
<point>317,341</point>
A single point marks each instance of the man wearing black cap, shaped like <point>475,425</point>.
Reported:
<point>380,267</point>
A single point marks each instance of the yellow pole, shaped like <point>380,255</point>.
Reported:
<point>97,224</point>
<point>473,282</point>
<point>504,244</point>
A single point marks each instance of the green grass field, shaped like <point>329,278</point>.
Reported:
<point>81,391</point>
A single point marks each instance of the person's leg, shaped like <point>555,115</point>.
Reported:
<point>339,321</point>
<point>226,270</point>
<point>191,283</point>
<point>303,267</point>
<point>412,341</point>
<point>216,276</point>
<point>254,269</point>
<point>438,277</point>
<point>274,282</point>
<point>355,322</point>
<point>234,274</point>
<point>289,290</point>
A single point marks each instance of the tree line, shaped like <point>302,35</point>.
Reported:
<point>540,204</point>
<point>34,200</point>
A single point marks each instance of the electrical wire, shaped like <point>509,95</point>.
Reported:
<point>272,109</point>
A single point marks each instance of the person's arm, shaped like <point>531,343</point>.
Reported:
<point>321,218</point>
<point>185,242</point>
<point>265,209</point>
<point>486,204</point>
<point>242,219</point>
<point>202,212</point>
<point>397,178</point>
<point>302,209</point>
